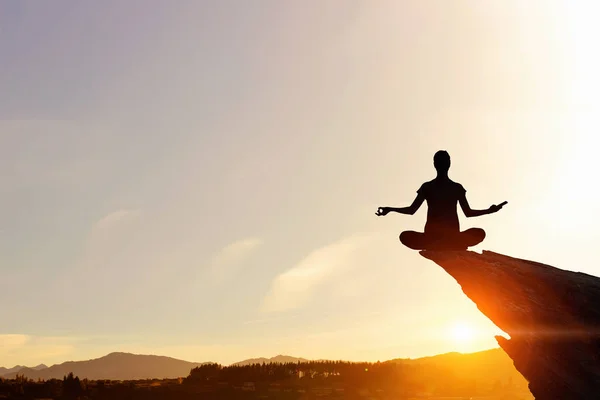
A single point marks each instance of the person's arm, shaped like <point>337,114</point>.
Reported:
<point>469,212</point>
<point>410,210</point>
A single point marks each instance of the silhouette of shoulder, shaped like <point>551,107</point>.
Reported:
<point>438,187</point>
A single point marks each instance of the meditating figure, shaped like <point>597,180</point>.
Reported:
<point>442,230</point>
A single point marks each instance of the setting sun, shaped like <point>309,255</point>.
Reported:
<point>462,333</point>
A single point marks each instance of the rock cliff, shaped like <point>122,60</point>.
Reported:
<point>551,315</point>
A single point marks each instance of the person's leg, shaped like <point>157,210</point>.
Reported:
<point>413,240</point>
<point>472,237</point>
<point>442,242</point>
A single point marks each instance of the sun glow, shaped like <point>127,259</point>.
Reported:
<point>462,333</point>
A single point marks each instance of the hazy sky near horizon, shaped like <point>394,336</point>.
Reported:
<point>199,179</point>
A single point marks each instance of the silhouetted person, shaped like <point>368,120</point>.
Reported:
<point>442,231</point>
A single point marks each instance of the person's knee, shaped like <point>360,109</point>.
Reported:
<point>411,239</point>
<point>477,236</point>
<point>404,237</point>
<point>472,237</point>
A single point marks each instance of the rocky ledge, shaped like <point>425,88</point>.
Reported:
<point>551,315</point>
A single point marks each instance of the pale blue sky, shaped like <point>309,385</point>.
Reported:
<point>198,179</point>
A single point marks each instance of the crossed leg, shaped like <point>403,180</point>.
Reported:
<point>458,241</point>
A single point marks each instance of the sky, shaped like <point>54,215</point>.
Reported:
<point>198,179</point>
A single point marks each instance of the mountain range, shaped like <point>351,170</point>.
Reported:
<point>126,366</point>
<point>17,368</point>
<point>114,366</point>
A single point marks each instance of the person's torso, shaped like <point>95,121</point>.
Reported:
<point>442,200</point>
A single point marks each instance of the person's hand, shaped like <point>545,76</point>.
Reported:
<point>382,211</point>
<point>495,208</point>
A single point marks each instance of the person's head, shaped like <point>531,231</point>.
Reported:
<point>441,161</point>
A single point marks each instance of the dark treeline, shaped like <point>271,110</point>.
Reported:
<point>306,380</point>
<point>368,375</point>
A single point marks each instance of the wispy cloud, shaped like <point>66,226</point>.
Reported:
<point>31,350</point>
<point>106,244</point>
<point>10,342</point>
<point>228,261</point>
<point>293,288</point>
<point>109,233</point>
<point>113,218</point>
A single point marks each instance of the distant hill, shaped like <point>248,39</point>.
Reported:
<point>277,359</point>
<point>494,365</point>
<point>17,368</point>
<point>114,366</point>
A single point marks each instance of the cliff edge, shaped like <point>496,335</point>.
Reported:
<point>552,316</point>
